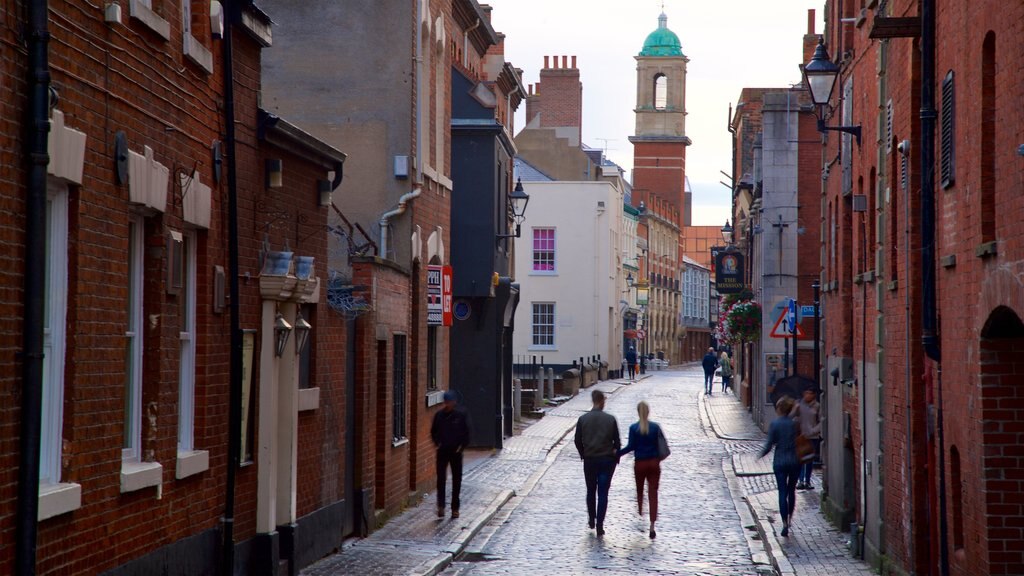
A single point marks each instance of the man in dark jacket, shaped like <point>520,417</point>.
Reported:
<point>710,362</point>
<point>631,362</point>
<point>597,441</point>
<point>450,433</point>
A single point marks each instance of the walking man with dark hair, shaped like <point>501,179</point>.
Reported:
<point>710,362</point>
<point>597,440</point>
<point>450,433</point>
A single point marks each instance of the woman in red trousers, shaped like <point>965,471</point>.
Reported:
<point>643,442</point>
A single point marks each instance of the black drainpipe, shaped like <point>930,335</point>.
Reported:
<point>37,139</point>
<point>929,320</point>
<point>231,13</point>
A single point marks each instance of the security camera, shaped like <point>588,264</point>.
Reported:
<point>903,147</point>
<point>825,173</point>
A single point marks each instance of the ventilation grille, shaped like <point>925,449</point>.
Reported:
<point>947,164</point>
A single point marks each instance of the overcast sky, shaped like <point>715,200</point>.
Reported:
<point>731,44</point>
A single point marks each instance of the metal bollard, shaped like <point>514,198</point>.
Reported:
<point>517,399</point>
<point>538,389</point>
<point>551,382</point>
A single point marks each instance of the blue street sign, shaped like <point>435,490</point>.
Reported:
<point>807,311</point>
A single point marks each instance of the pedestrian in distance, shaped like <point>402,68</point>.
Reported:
<point>450,433</point>
<point>645,437</point>
<point>726,365</point>
<point>631,362</point>
<point>806,414</point>
<point>710,362</point>
<point>597,441</point>
<point>782,436</point>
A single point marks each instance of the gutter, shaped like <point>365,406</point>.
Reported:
<point>37,142</point>
<point>385,217</point>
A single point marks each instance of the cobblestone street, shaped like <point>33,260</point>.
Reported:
<point>523,508</point>
<point>699,527</point>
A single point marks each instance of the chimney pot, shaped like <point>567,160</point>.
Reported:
<point>565,61</point>
<point>546,61</point>
<point>574,62</point>
<point>810,21</point>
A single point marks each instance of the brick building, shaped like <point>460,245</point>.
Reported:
<point>167,200</point>
<point>919,241</point>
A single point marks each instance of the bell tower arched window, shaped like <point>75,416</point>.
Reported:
<point>660,91</point>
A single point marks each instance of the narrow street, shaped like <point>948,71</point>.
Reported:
<point>699,529</point>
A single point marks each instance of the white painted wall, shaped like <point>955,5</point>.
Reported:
<point>585,285</point>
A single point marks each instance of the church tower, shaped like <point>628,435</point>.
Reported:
<point>660,141</point>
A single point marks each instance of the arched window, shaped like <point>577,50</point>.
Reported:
<point>957,492</point>
<point>660,92</point>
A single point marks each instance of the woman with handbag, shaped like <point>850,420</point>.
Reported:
<point>649,447</point>
<point>806,414</point>
<point>782,435</point>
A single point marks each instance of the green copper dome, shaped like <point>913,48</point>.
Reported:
<point>662,42</point>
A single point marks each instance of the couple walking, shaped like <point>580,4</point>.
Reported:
<point>597,440</point>
<point>795,434</point>
<point>710,363</point>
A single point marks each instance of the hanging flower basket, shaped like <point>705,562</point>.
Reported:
<point>740,321</point>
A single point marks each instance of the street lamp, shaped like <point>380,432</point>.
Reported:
<point>517,199</point>
<point>282,330</point>
<point>727,233</point>
<point>302,329</point>
<point>820,76</point>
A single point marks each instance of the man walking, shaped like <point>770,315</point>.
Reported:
<point>710,362</point>
<point>597,441</point>
<point>450,433</point>
<point>631,362</point>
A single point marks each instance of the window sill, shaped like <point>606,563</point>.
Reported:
<point>435,397</point>
<point>145,16</point>
<point>191,463</point>
<point>399,442</point>
<point>309,399</point>
<point>139,475</point>
<point>198,54</point>
<point>544,348</point>
<point>543,273</point>
<point>57,499</point>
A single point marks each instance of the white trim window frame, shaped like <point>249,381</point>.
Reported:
<point>54,334</point>
<point>187,337</point>
<point>133,342</point>
<point>543,251</point>
<point>542,326</point>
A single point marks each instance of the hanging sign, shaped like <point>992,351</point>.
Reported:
<point>439,295</point>
<point>729,272</point>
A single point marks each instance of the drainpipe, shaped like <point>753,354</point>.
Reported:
<point>37,141</point>
<point>929,318</point>
<point>465,42</point>
<point>232,10</point>
<point>402,203</point>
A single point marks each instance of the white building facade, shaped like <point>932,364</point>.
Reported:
<point>570,269</point>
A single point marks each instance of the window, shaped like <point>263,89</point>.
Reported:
<point>192,47</point>
<point>544,250</point>
<point>660,92</point>
<point>543,324</point>
<point>988,139</point>
<point>133,342</point>
<point>957,492</point>
<point>398,387</point>
<point>946,138</point>
<point>187,338</point>
<point>54,330</point>
<point>431,357</point>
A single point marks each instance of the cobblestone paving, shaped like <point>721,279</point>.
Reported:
<point>814,547</point>
<point>699,531</point>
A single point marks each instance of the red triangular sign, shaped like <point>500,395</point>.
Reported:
<point>780,331</point>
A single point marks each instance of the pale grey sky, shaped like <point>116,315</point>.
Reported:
<point>731,44</point>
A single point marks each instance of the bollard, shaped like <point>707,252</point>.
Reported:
<point>551,382</point>
<point>517,399</point>
<point>538,389</point>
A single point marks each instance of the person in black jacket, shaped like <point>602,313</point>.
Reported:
<point>631,362</point>
<point>710,362</point>
<point>450,433</point>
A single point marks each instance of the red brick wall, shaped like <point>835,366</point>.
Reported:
<point>561,93</point>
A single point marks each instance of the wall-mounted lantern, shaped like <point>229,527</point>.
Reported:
<point>302,329</point>
<point>820,76</point>
<point>282,330</point>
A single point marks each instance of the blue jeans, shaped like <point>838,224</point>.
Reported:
<point>808,467</point>
<point>785,479</point>
<point>598,474</point>
<point>709,378</point>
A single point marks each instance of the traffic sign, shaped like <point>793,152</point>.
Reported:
<point>782,330</point>
<point>807,311</point>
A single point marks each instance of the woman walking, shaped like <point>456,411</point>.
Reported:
<point>782,435</point>
<point>726,364</point>
<point>644,437</point>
